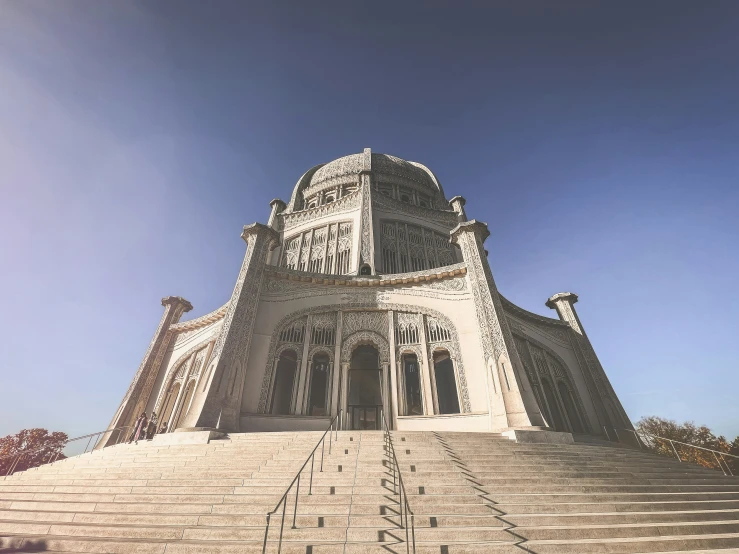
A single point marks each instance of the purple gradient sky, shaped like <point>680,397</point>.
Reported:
<point>597,139</point>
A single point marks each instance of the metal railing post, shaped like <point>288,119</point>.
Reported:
<point>266,532</point>
<point>295,510</point>
<point>675,450</point>
<point>296,481</point>
<point>282,525</point>
<point>727,465</point>
<point>719,464</point>
<point>310,485</point>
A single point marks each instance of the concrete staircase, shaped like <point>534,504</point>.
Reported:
<point>470,492</point>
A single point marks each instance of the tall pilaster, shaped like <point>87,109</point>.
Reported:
<point>499,350</point>
<point>366,236</point>
<point>137,395</point>
<point>609,409</point>
<point>220,404</point>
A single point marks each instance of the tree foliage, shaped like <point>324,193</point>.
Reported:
<point>690,434</point>
<point>34,446</point>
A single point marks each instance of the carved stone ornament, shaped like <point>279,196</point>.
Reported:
<point>365,321</point>
<point>350,342</point>
<point>348,203</point>
<point>447,218</point>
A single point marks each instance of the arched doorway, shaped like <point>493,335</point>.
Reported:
<point>319,380</point>
<point>284,386</point>
<point>446,383</point>
<point>364,406</point>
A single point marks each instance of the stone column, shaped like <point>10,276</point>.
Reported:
<point>304,365</point>
<point>336,374</point>
<point>278,206</point>
<point>521,409</point>
<point>344,391</point>
<point>219,406</point>
<point>137,396</point>
<point>384,389</point>
<point>393,419</point>
<point>596,379</point>
<point>428,397</point>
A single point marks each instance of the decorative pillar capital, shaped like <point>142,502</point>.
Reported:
<point>176,301</point>
<point>457,203</point>
<point>479,228</point>
<point>563,303</point>
<point>255,231</point>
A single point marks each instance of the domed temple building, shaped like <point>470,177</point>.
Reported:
<point>370,294</point>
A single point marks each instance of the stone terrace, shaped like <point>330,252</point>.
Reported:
<point>471,493</point>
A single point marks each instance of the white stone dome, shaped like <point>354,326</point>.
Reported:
<point>383,167</point>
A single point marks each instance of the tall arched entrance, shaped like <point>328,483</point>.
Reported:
<point>364,406</point>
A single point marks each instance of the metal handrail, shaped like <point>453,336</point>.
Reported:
<point>54,455</point>
<point>400,489</point>
<point>311,458</point>
<point>717,454</point>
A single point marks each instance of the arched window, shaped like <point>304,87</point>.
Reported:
<point>446,383</point>
<point>412,382</point>
<point>184,405</point>
<point>282,393</point>
<point>318,395</point>
<point>169,401</point>
<point>572,414</point>
<point>556,417</point>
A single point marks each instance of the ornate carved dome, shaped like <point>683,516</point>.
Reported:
<point>382,165</point>
<point>384,168</point>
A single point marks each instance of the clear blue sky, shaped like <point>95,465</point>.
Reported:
<point>597,139</point>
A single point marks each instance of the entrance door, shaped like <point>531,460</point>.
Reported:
<point>364,406</point>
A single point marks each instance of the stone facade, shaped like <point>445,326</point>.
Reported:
<point>370,295</point>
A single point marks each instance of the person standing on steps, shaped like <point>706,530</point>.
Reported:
<point>151,429</point>
<point>141,424</point>
<point>136,428</point>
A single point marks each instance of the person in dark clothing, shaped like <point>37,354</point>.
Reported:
<point>151,429</point>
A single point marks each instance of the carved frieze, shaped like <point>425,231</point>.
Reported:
<point>365,321</point>
<point>343,205</point>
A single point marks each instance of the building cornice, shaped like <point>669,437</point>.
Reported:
<point>368,281</point>
<point>509,306</point>
<point>202,321</point>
